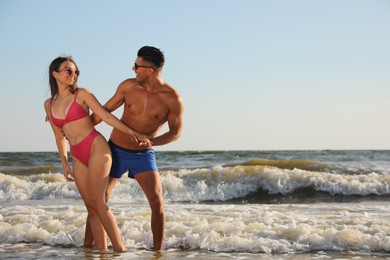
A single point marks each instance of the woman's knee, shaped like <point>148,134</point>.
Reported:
<point>96,205</point>
<point>91,212</point>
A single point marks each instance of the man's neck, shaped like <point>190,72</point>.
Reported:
<point>152,84</point>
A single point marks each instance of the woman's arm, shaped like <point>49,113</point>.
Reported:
<point>61,144</point>
<point>110,119</point>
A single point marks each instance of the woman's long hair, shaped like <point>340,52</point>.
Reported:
<point>55,66</point>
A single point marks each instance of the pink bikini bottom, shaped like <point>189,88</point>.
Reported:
<point>82,150</point>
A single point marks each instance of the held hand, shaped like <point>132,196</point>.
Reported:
<point>144,141</point>
<point>141,140</point>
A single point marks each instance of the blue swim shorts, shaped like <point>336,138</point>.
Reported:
<point>133,161</point>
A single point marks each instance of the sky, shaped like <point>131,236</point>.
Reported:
<point>253,74</point>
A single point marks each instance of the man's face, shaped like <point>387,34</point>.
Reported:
<point>142,69</point>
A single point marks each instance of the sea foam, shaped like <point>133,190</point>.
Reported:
<point>220,228</point>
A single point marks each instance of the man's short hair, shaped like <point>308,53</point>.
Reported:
<point>153,55</point>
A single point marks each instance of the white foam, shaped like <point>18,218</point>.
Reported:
<point>221,228</point>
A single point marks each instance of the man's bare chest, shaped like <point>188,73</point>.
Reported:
<point>152,107</point>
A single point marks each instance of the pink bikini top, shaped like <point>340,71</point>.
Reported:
<point>75,112</point>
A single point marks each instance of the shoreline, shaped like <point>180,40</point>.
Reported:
<point>43,251</point>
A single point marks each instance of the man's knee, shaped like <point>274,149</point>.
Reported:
<point>156,203</point>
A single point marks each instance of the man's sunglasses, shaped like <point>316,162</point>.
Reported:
<point>136,66</point>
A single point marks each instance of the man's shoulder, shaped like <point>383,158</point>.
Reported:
<point>171,96</point>
<point>169,90</point>
<point>130,80</point>
<point>128,83</point>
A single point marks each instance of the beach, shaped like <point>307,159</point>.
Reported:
<point>219,204</point>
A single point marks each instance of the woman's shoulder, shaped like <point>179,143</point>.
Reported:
<point>47,103</point>
<point>83,95</point>
<point>83,92</point>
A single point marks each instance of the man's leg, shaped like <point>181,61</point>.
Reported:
<point>151,185</point>
<point>111,184</point>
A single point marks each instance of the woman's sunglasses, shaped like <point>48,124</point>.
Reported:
<point>70,71</point>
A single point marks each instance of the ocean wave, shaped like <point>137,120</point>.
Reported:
<point>228,183</point>
<point>219,184</point>
<point>31,170</point>
<point>288,164</point>
<point>36,187</point>
<point>312,165</point>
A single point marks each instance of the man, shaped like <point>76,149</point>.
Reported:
<point>149,102</point>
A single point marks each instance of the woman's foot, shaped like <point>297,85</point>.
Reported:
<point>120,249</point>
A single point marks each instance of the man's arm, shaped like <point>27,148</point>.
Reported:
<point>175,124</point>
<point>111,105</point>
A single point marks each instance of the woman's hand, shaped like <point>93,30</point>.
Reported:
<point>143,141</point>
<point>68,174</point>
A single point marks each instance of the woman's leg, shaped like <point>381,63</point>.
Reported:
<point>88,240</point>
<point>96,231</point>
<point>98,173</point>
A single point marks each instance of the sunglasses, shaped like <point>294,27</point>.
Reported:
<point>70,71</point>
<point>136,66</point>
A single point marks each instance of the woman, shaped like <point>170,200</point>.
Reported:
<point>68,113</point>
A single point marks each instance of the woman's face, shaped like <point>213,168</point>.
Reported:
<point>67,74</point>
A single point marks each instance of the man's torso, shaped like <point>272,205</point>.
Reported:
<point>144,111</point>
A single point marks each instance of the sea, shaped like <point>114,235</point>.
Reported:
<point>325,204</point>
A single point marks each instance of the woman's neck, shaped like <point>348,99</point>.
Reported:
<point>64,92</point>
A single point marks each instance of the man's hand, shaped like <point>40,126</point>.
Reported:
<point>143,141</point>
